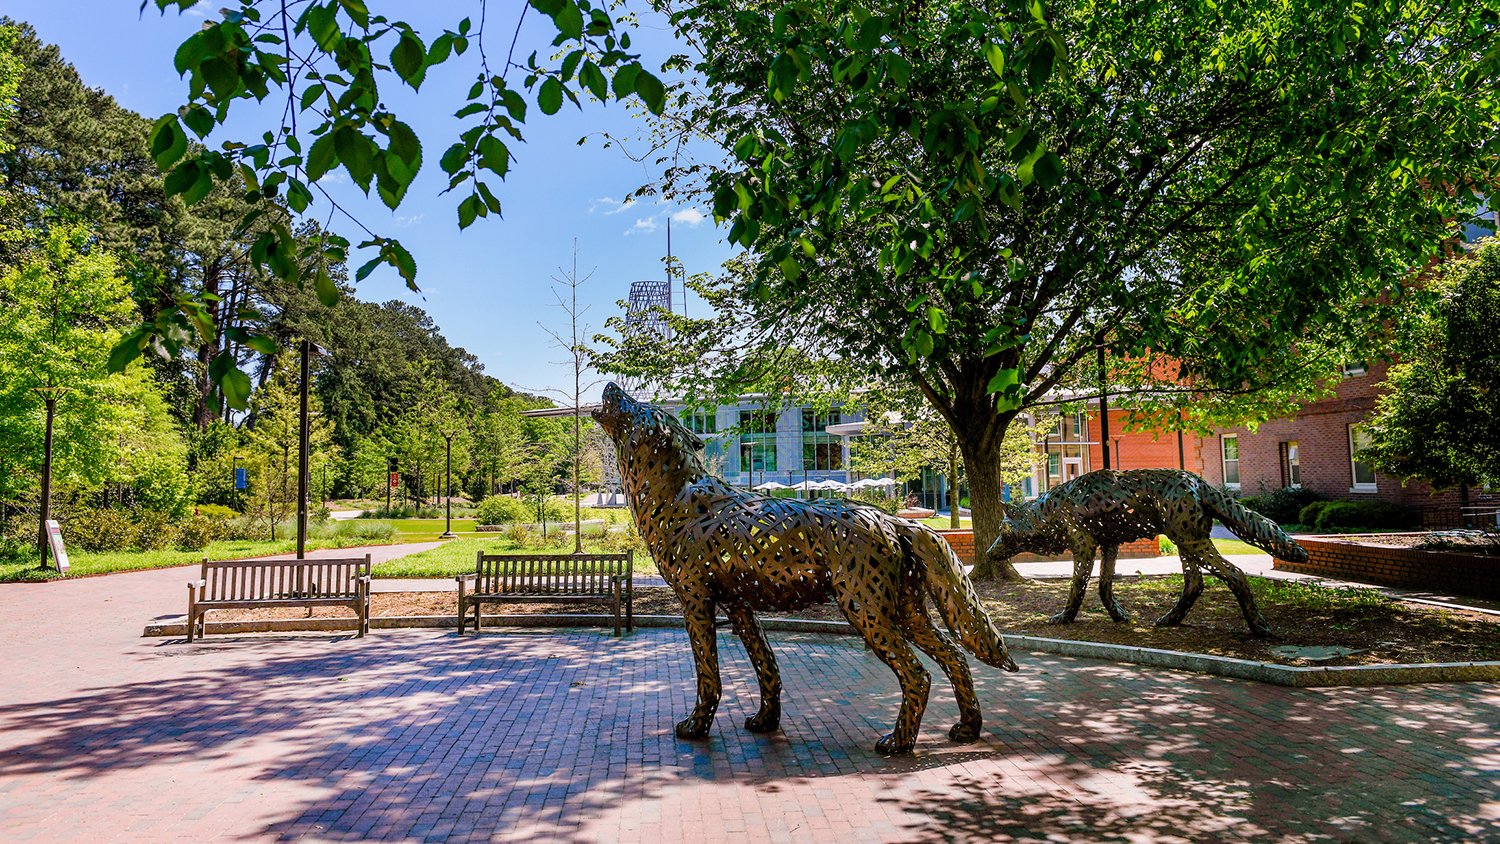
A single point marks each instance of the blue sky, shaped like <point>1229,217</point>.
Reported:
<point>488,286</point>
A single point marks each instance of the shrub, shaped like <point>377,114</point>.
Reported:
<point>1165,547</point>
<point>519,534</point>
<point>108,529</point>
<point>1379,515</point>
<point>1283,506</point>
<point>1309,515</point>
<point>217,511</point>
<point>154,530</point>
<point>200,531</point>
<point>368,533</point>
<point>501,510</point>
<point>14,549</point>
<point>559,539</point>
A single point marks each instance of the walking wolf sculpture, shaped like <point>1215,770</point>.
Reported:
<point>1109,508</point>
<point>722,547</point>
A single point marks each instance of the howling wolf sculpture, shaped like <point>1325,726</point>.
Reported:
<point>722,547</point>
<point>1109,508</point>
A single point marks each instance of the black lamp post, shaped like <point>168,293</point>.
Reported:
<point>239,502</point>
<point>50,394</point>
<point>308,350</point>
<point>448,484</point>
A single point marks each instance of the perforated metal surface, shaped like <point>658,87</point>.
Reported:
<point>1108,508</point>
<point>721,547</point>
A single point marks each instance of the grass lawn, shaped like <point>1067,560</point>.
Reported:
<point>1234,546</point>
<point>457,556</point>
<point>86,562</point>
<point>426,530</point>
<point>942,523</point>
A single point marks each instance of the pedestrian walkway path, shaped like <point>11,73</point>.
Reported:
<point>539,736</point>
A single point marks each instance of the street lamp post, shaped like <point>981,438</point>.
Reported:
<point>308,350</point>
<point>448,484</point>
<point>239,501</point>
<point>50,394</point>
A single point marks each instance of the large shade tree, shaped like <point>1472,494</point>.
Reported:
<point>978,197</point>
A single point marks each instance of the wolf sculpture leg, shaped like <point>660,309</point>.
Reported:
<point>870,606</point>
<point>768,719</point>
<point>1107,583</point>
<point>1192,587</point>
<point>698,613</point>
<point>1083,566</point>
<point>920,630</point>
<point>1235,579</point>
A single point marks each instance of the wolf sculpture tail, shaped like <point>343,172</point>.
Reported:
<point>1250,526</point>
<point>956,600</point>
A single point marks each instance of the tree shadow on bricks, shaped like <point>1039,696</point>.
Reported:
<point>559,734</point>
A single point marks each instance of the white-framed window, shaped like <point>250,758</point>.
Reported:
<point>1229,449</point>
<point>1362,474</point>
<point>1291,464</point>
<point>1356,369</point>
<point>1482,224</point>
<point>1080,426</point>
<point>1054,464</point>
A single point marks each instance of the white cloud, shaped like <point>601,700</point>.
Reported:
<point>404,222</point>
<point>644,225</point>
<point>690,216</point>
<point>335,177</point>
<point>614,206</point>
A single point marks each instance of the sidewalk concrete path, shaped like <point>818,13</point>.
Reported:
<point>425,736</point>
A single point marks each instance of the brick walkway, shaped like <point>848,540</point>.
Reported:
<point>566,736</point>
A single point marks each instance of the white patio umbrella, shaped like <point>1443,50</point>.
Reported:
<point>869,482</point>
<point>770,485</point>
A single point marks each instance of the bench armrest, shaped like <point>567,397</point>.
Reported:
<point>466,577</point>
<point>197,584</point>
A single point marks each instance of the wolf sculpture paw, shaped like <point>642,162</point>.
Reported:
<point>964,733</point>
<point>891,747</point>
<point>692,728</point>
<point>763,722</point>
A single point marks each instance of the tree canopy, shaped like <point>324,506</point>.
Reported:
<point>979,197</point>
<point>1440,420</point>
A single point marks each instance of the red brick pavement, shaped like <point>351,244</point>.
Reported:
<point>421,736</point>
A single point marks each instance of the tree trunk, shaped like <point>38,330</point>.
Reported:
<point>953,521</point>
<point>986,509</point>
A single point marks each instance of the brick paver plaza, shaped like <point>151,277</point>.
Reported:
<point>419,735</point>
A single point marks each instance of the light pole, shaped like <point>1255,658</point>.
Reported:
<point>240,482</point>
<point>448,484</point>
<point>308,350</point>
<point>50,394</point>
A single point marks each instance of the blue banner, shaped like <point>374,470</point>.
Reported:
<point>241,479</point>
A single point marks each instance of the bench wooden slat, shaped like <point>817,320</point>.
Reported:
<point>244,584</point>
<point>547,578</point>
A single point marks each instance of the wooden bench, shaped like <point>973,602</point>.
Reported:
<point>547,578</point>
<point>250,584</point>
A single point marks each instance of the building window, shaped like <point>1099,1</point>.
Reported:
<point>1080,426</point>
<point>757,441</point>
<point>1353,370</point>
<point>1054,464</point>
<point>699,421</point>
<point>1363,473</point>
<point>1482,224</point>
<point>821,451</point>
<point>1291,465</point>
<point>1230,445</point>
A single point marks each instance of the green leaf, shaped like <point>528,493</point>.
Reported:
<point>127,350</point>
<point>328,292</point>
<point>321,158</point>
<point>593,79</point>
<point>468,210</point>
<point>369,267</point>
<point>549,98</point>
<point>405,145</point>
<point>624,81</point>
<point>651,91</point>
<point>569,20</point>
<point>454,158</point>
<point>168,142</point>
<point>298,196</point>
<point>493,155</point>
<point>937,320</point>
<point>357,152</point>
<point>996,57</point>
<point>409,58</point>
<point>1003,380</point>
<point>311,95</point>
<point>199,120</point>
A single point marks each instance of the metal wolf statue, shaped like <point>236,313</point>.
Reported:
<point>722,547</point>
<point>1109,508</point>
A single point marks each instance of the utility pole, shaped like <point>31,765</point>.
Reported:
<point>1103,407</point>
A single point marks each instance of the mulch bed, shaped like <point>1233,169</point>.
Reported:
<point>1382,630</point>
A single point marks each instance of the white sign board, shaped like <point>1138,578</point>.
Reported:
<point>55,544</point>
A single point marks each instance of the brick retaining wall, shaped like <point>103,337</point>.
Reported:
<point>1471,575</point>
<point>962,543</point>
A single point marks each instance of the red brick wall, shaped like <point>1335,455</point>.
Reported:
<point>1321,430</point>
<point>962,543</point>
<point>1463,574</point>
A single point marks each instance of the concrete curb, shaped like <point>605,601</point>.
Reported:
<point>1260,672</point>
